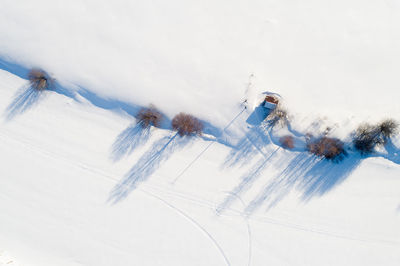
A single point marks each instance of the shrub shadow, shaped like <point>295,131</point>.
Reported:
<point>147,165</point>
<point>76,93</point>
<point>247,180</point>
<point>80,94</point>
<point>24,99</point>
<point>309,174</point>
<point>128,140</point>
<point>251,144</point>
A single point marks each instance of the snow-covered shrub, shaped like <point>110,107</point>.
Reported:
<point>287,142</point>
<point>367,137</point>
<point>277,116</point>
<point>149,116</point>
<point>329,148</point>
<point>187,125</point>
<point>388,128</point>
<point>39,79</point>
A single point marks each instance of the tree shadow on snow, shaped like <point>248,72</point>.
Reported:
<point>131,138</point>
<point>147,165</point>
<point>24,99</point>
<point>251,144</point>
<point>247,180</point>
<point>310,175</point>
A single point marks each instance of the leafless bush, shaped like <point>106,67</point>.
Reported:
<point>149,116</point>
<point>278,116</point>
<point>40,80</point>
<point>187,125</point>
<point>388,128</point>
<point>287,142</point>
<point>329,148</point>
<point>367,137</point>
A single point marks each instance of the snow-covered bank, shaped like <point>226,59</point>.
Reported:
<point>80,184</point>
<point>57,180</point>
<point>335,60</point>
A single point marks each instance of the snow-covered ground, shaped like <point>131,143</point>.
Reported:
<point>66,200</point>
<point>80,184</point>
<point>337,59</point>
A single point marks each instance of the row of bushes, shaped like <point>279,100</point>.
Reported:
<point>368,136</point>
<point>184,124</point>
<point>364,139</point>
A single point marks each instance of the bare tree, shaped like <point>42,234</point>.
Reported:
<point>40,80</point>
<point>149,116</point>
<point>187,125</point>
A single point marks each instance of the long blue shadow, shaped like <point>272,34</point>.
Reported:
<point>247,181</point>
<point>75,94</point>
<point>98,101</point>
<point>258,116</point>
<point>107,103</point>
<point>131,138</point>
<point>251,144</point>
<point>392,152</point>
<point>13,68</point>
<point>210,129</point>
<point>147,165</point>
<point>310,175</point>
<point>24,99</point>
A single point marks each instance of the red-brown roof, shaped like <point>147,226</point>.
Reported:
<point>271,99</point>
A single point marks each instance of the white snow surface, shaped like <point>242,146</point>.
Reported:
<point>80,184</point>
<point>73,193</point>
<point>331,59</point>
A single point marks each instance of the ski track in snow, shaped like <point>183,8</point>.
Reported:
<point>115,181</point>
<point>194,222</point>
<point>200,202</point>
<point>313,54</point>
<point>246,219</point>
<point>187,197</point>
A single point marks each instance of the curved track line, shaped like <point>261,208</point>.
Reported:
<point>263,219</point>
<point>113,180</point>
<point>194,222</point>
<point>250,252</point>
